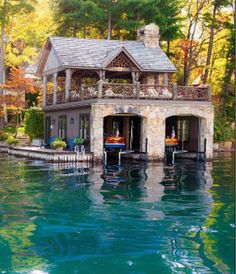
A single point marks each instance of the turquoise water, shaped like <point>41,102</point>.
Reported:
<point>133,219</point>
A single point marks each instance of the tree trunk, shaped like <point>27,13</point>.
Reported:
<point>109,32</point>
<point>75,29</point>
<point>84,32</point>
<point>168,47</point>
<point>210,45</point>
<point>186,55</point>
<point>2,56</point>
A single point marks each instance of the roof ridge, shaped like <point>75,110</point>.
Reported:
<point>95,39</point>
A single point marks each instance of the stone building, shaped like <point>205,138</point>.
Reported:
<point>92,88</point>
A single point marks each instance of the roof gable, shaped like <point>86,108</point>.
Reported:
<point>49,60</point>
<point>121,60</point>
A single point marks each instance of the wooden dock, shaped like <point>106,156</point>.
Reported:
<point>48,155</point>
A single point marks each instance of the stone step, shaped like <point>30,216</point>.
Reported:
<point>24,140</point>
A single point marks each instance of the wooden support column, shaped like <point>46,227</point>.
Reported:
<point>174,91</point>
<point>55,88</point>
<point>100,83</point>
<point>133,77</point>
<point>138,89</point>
<point>209,93</point>
<point>158,80</point>
<point>44,90</point>
<point>68,84</point>
<point>102,76</point>
<point>165,79</point>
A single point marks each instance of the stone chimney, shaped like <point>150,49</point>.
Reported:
<point>149,35</point>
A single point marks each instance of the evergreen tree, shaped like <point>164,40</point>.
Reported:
<point>117,19</point>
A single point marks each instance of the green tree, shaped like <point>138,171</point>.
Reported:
<point>34,122</point>
<point>117,19</point>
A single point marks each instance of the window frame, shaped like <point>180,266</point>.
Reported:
<point>60,130</point>
<point>183,130</point>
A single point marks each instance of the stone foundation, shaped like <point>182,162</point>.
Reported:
<point>154,116</point>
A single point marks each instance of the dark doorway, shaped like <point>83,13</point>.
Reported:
<point>186,130</point>
<point>127,126</point>
<point>135,133</point>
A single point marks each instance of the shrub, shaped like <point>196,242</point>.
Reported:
<point>12,140</point>
<point>79,141</point>
<point>3,136</point>
<point>34,122</point>
<point>10,129</point>
<point>20,130</point>
<point>58,143</point>
<point>223,130</point>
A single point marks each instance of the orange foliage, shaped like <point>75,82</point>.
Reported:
<point>15,89</point>
<point>18,82</point>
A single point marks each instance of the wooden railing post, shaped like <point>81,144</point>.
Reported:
<point>44,90</point>
<point>55,88</point>
<point>67,84</point>
<point>209,92</point>
<point>174,91</point>
<point>82,92</point>
<point>137,89</point>
<point>100,84</point>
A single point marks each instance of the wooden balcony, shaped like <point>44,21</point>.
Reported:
<point>134,91</point>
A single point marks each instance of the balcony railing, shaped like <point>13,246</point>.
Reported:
<point>192,93</point>
<point>134,91</point>
<point>127,91</point>
<point>156,92</point>
<point>49,99</point>
<point>60,97</point>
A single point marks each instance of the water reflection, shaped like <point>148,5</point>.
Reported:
<point>136,217</point>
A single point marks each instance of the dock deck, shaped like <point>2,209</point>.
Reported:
<point>48,155</point>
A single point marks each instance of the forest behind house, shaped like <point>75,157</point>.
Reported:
<point>197,35</point>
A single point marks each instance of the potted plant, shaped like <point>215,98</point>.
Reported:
<point>58,144</point>
<point>79,141</point>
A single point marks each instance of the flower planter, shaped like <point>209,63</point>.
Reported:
<point>59,149</point>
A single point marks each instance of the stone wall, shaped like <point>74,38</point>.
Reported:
<point>153,123</point>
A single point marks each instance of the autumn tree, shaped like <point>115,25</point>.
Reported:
<point>15,89</point>
<point>215,25</point>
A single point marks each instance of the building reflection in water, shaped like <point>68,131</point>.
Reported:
<point>123,197</point>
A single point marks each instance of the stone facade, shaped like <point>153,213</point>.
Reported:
<point>153,116</point>
<point>149,35</point>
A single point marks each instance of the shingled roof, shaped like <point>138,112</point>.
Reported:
<point>94,53</point>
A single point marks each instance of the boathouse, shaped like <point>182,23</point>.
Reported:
<point>97,89</point>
